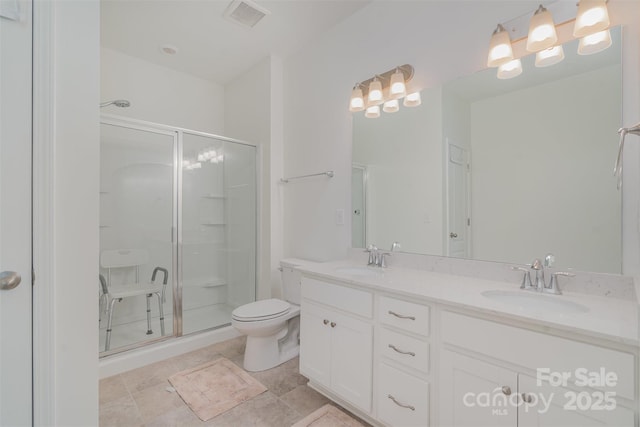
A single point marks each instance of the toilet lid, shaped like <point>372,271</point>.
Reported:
<point>261,310</point>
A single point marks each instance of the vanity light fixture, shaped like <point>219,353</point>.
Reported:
<point>592,17</point>
<point>397,85</point>
<point>500,50</point>
<point>550,56</point>
<point>384,91</point>
<point>412,100</point>
<point>375,91</point>
<point>591,25</point>
<point>372,112</point>
<point>357,99</point>
<point>510,70</point>
<point>594,43</point>
<point>542,31</point>
<point>391,106</point>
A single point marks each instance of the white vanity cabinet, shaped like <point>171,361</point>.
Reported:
<point>496,382</point>
<point>402,350</point>
<point>336,340</point>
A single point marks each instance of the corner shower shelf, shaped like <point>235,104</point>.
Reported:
<point>211,224</point>
<point>213,196</point>
<point>214,282</point>
<point>105,226</point>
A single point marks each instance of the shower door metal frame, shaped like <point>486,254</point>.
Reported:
<point>176,228</point>
<point>178,298</point>
<point>139,125</point>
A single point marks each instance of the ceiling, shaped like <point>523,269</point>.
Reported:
<point>209,46</point>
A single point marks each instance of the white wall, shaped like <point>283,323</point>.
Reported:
<point>76,58</point>
<point>442,43</point>
<point>547,128</point>
<point>159,94</point>
<point>248,117</point>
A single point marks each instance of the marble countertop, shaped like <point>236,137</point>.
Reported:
<point>613,319</point>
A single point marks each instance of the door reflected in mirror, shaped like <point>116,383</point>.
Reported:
<point>499,170</point>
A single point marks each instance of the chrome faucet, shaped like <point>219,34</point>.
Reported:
<point>377,258</point>
<point>538,283</point>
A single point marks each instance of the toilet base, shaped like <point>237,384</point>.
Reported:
<point>262,353</point>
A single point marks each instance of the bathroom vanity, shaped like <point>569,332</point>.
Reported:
<point>412,347</point>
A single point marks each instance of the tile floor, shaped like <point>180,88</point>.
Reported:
<point>140,397</point>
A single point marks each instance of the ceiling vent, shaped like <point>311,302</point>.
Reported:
<point>245,12</point>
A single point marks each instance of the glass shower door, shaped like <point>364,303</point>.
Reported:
<point>218,230</point>
<point>137,214</point>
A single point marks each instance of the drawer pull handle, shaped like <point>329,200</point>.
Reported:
<point>527,398</point>
<point>393,347</point>
<point>333,324</point>
<point>402,405</point>
<point>325,321</point>
<point>400,316</point>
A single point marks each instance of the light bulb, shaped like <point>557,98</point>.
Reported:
<point>510,70</point>
<point>412,100</point>
<point>592,16</point>
<point>372,112</point>
<point>550,56</point>
<point>594,43</point>
<point>542,31</point>
<point>500,50</point>
<point>357,100</point>
<point>398,87</point>
<point>375,91</point>
<point>391,106</point>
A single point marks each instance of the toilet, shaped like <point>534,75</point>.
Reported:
<point>272,326</point>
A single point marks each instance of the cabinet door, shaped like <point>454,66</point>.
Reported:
<point>315,344</point>
<point>352,359</point>
<point>562,407</point>
<point>475,393</point>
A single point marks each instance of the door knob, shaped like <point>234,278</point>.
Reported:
<point>9,280</point>
<point>453,235</point>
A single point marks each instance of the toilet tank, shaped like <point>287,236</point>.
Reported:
<point>291,279</point>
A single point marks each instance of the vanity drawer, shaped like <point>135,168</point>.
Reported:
<point>536,350</point>
<point>344,298</point>
<point>403,400</point>
<point>404,315</point>
<point>407,350</point>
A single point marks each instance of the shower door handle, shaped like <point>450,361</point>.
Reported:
<point>453,235</point>
<point>9,280</point>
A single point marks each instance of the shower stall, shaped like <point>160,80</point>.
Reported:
<point>179,204</point>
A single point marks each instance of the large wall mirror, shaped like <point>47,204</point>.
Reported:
<point>499,170</point>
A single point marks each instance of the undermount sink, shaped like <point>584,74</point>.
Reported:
<point>359,271</point>
<point>528,300</point>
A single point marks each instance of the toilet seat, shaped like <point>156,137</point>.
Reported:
<point>261,310</point>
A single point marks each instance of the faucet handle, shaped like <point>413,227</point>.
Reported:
<point>383,259</point>
<point>526,279</point>
<point>554,287</point>
<point>537,264</point>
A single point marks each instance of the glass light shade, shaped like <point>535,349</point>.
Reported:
<point>412,100</point>
<point>391,106</point>
<point>357,100</point>
<point>375,91</point>
<point>500,50</point>
<point>592,16</point>
<point>594,43</point>
<point>550,56</point>
<point>398,87</point>
<point>542,31</point>
<point>510,70</point>
<point>372,112</point>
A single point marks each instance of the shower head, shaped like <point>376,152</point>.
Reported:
<point>122,103</point>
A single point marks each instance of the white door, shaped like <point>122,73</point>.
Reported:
<point>15,213</point>
<point>458,217</point>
